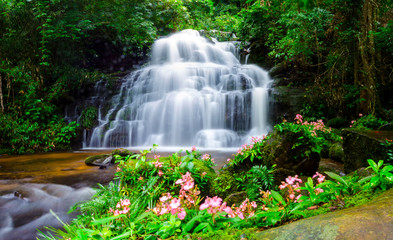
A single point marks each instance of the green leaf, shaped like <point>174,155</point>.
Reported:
<point>105,220</point>
<point>201,226</point>
<point>191,223</point>
<point>337,178</point>
<point>278,197</point>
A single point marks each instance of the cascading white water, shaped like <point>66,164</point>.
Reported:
<point>195,92</point>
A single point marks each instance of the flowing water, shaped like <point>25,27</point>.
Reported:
<point>31,185</point>
<point>194,92</point>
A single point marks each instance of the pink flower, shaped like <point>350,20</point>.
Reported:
<point>140,178</point>
<point>318,190</point>
<point>163,211</point>
<point>283,185</point>
<point>206,157</point>
<point>206,204</point>
<point>203,206</point>
<point>160,173</point>
<point>193,148</point>
<point>181,215</point>
<point>125,202</point>
<point>360,115</point>
<point>254,204</point>
<point>203,174</point>
<point>165,197</point>
<point>188,185</point>
<point>292,196</point>
<point>175,203</point>
<point>158,164</point>
<point>157,157</point>
<point>215,201</point>
<point>297,198</point>
<point>228,160</point>
<point>320,179</point>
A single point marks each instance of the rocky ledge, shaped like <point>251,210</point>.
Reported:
<point>371,221</point>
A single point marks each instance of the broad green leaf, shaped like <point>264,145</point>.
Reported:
<point>337,178</point>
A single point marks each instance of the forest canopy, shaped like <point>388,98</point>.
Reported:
<point>341,51</point>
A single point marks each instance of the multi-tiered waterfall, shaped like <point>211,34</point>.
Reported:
<point>194,92</point>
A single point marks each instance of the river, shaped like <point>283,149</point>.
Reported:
<point>31,185</point>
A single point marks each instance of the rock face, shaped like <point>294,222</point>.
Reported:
<point>282,150</point>
<point>286,102</point>
<point>362,145</point>
<point>370,221</point>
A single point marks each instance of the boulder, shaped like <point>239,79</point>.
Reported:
<point>362,145</point>
<point>336,152</point>
<point>282,149</point>
<point>286,102</point>
<point>371,221</point>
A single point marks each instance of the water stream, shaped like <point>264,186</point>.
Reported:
<point>31,185</point>
<point>193,92</point>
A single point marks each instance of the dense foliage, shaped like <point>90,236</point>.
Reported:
<point>167,198</point>
<point>341,50</point>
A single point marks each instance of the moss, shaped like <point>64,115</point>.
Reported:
<point>90,161</point>
<point>225,183</point>
<point>207,189</point>
<point>89,117</point>
<point>122,152</point>
<point>336,152</point>
<point>227,234</point>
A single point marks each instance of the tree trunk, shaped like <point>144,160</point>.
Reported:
<point>1,95</point>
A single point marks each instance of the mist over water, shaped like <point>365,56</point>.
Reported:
<point>194,92</point>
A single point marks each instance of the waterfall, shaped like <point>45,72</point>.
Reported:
<point>194,92</point>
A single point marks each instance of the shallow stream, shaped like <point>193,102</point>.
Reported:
<point>31,185</point>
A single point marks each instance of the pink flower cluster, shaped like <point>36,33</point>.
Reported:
<point>207,157</point>
<point>158,165</point>
<point>169,204</point>
<point>188,196</point>
<point>193,149</point>
<point>320,179</point>
<point>121,207</point>
<point>318,125</point>
<point>293,185</point>
<point>245,148</point>
<point>213,206</point>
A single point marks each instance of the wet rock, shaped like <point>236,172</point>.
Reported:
<point>336,152</point>
<point>370,221</point>
<point>280,150</point>
<point>362,145</point>
<point>286,103</point>
<point>97,160</point>
<point>236,198</point>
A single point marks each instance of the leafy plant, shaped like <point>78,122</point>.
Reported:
<point>382,177</point>
<point>257,179</point>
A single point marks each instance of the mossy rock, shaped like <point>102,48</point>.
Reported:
<point>122,152</point>
<point>336,152</point>
<point>280,150</point>
<point>236,198</point>
<point>225,183</point>
<point>97,160</point>
<point>337,123</point>
<point>359,146</point>
<point>207,190</point>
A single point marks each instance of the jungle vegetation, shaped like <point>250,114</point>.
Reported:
<point>341,51</point>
